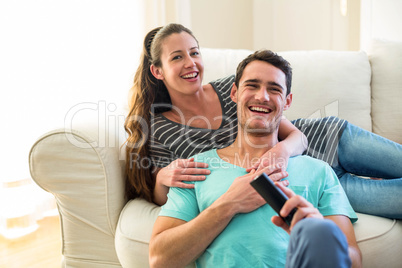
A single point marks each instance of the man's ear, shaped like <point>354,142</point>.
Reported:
<point>288,101</point>
<point>157,72</point>
<point>233,93</point>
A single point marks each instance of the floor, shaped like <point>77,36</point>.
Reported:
<point>40,249</point>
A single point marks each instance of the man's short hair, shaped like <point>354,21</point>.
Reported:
<point>269,57</point>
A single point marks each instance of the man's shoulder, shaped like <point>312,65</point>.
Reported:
<point>205,156</point>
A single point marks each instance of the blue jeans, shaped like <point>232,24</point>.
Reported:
<point>363,153</point>
<point>316,243</point>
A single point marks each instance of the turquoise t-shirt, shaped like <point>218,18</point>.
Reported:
<point>252,240</point>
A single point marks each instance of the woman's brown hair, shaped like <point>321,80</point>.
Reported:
<point>144,94</point>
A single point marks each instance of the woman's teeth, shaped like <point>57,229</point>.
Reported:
<point>192,75</point>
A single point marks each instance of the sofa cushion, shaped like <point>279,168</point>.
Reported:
<point>386,85</point>
<point>377,237</point>
<point>331,83</point>
<point>134,232</point>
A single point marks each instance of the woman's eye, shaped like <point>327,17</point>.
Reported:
<point>196,53</point>
<point>176,57</point>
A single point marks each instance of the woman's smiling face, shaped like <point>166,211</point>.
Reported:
<point>182,66</point>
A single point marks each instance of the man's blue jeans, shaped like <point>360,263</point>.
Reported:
<point>362,153</point>
<point>317,243</point>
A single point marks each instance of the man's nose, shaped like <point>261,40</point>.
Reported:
<point>262,94</point>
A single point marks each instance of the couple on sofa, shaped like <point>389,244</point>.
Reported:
<point>200,116</point>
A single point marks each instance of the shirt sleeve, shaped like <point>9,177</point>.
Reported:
<point>333,200</point>
<point>181,204</point>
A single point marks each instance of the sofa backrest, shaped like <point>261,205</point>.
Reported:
<point>386,85</point>
<point>325,83</point>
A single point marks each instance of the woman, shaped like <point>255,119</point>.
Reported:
<point>173,116</point>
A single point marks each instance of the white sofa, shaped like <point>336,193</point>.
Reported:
<point>84,167</point>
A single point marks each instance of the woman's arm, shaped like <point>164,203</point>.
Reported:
<point>160,190</point>
<point>292,142</point>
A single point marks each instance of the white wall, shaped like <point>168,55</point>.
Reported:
<point>223,23</point>
<point>380,19</point>
<point>276,24</point>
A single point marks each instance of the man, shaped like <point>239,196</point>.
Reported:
<point>223,222</point>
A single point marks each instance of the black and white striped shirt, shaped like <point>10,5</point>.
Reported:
<point>323,136</point>
<point>171,140</point>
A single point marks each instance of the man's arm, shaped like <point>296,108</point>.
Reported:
<point>306,209</point>
<point>177,243</point>
<point>346,226</point>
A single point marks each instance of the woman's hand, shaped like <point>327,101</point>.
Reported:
<point>304,209</point>
<point>175,175</point>
<point>277,156</point>
<point>182,170</point>
<point>293,142</point>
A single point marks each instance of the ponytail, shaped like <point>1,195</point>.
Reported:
<point>146,93</point>
<point>139,182</point>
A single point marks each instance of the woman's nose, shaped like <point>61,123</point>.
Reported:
<point>189,62</point>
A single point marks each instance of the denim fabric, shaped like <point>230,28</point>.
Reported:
<point>363,153</point>
<point>316,243</point>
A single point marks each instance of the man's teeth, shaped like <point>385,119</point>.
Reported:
<point>192,75</point>
<point>259,109</point>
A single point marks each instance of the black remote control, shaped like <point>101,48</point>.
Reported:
<point>272,194</point>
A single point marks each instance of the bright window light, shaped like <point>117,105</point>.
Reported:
<point>55,55</point>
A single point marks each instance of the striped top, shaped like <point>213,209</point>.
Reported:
<point>323,136</point>
<point>170,140</point>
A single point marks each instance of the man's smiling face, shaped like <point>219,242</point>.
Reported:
<point>261,98</point>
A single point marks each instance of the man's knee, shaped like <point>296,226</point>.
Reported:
<point>317,243</point>
<point>313,228</point>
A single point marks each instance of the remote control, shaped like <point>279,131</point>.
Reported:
<point>272,194</point>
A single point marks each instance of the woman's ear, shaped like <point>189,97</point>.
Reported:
<point>156,72</point>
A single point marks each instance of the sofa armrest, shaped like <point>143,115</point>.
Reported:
<point>87,181</point>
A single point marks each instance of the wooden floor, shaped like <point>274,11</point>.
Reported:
<point>40,249</point>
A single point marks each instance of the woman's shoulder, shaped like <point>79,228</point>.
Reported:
<point>222,84</point>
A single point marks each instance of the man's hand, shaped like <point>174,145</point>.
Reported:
<point>304,209</point>
<point>242,196</point>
